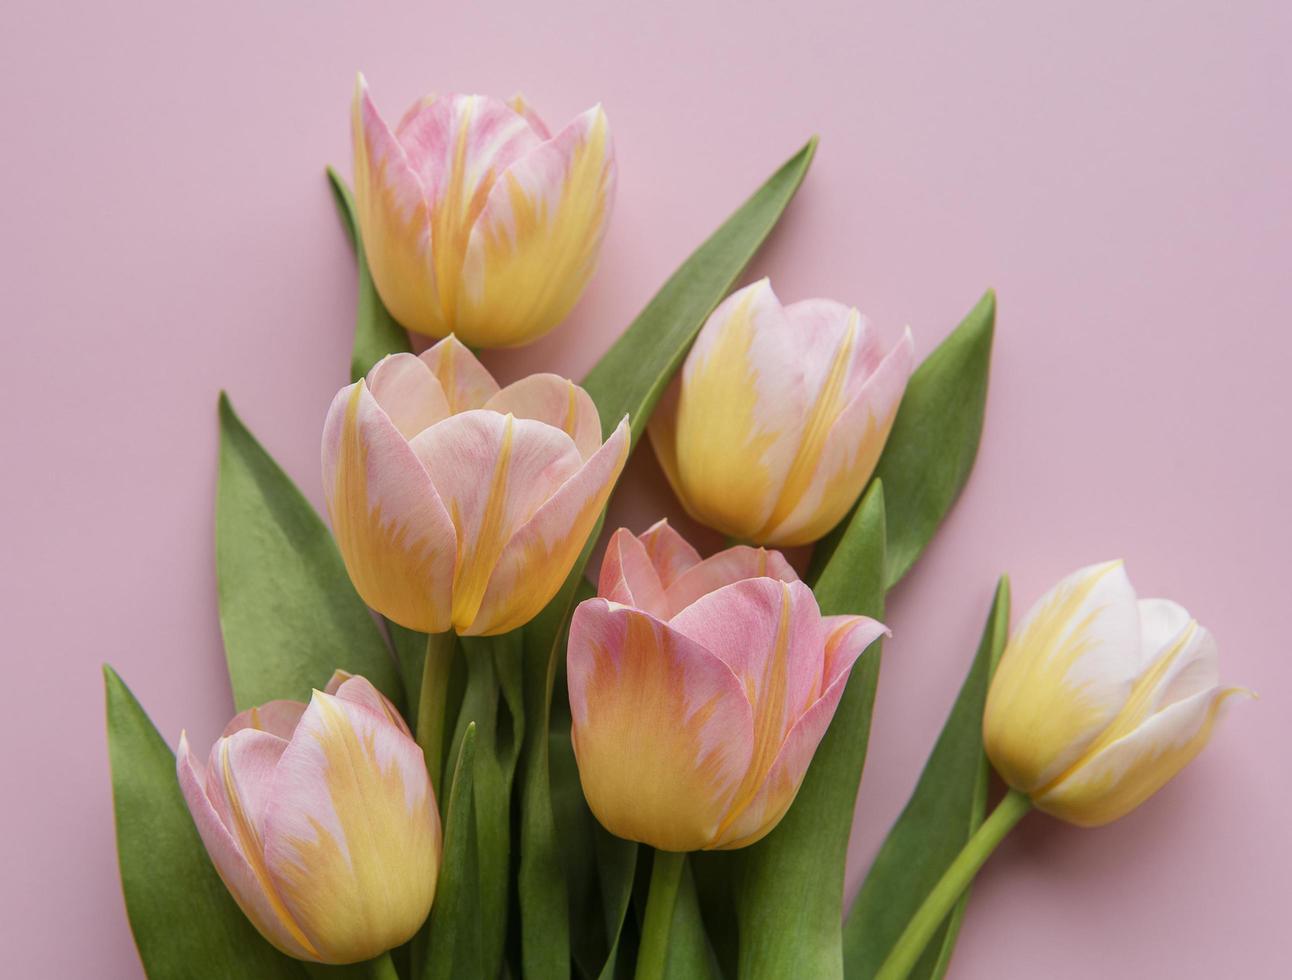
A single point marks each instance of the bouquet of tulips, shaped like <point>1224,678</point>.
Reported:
<point>455,756</point>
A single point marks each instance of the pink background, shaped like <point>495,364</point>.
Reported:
<point>1119,172</point>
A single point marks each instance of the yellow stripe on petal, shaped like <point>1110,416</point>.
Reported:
<point>477,558</point>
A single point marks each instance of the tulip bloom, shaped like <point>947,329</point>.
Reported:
<point>321,821</point>
<point>1101,698</point>
<point>780,416</point>
<point>459,505</point>
<point>700,690</point>
<point>475,219</point>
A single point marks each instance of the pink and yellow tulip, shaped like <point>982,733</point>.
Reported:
<point>1100,698</point>
<point>321,821</point>
<point>780,416</point>
<point>475,219</point>
<point>700,690</point>
<point>457,504</point>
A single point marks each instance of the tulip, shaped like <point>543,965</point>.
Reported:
<point>475,219</point>
<point>321,821</point>
<point>1100,698</point>
<point>779,417</point>
<point>700,689</point>
<point>459,505</point>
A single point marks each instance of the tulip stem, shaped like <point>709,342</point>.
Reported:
<point>432,702</point>
<point>382,968</point>
<point>910,945</point>
<point>665,876</point>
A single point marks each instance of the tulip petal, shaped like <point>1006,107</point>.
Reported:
<point>243,873</point>
<point>629,578</point>
<point>394,218</point>
<point>830,472</point>
<point>359,690</point>
<point>536,241</point>
<point>397,540</point>
<point>847,638</point>
<point>466,382</point>
<point>352,834</point>
<point>669,552</point>
<point>539,556</point>
<point>1128,771</point>
<point>239,775</point>
<point>493,473</point>
<point>408,393</point>
<point>725,568</point>
<point>557,401</point>
<point>519,104</point>
<point>1064,676</point>
<point>276,717</point>
<point>662,731</point>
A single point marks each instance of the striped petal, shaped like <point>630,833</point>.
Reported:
<point>243,872</point>
<point>662,731</point>
<point>394,220</point>
<point>557,401</point>
<point>522,107</point>
<point>493,473</point>
<point>466,383</point>
<point>629,578</point>
<point>536,240</point>
<point>359,690</point>
<point>725,568</point>
<point>539,556</point>
<point>352,833</point>
<point>834,465</point>
<point>395,535</point>
<point>276,717</point>
<point>409,394</point>
<point>669,552</point>
<point>1068,670</point>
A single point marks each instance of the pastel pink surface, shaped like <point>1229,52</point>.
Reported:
<point>1118,172</point>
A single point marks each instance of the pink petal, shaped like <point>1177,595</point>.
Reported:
<point>557,401</point>
<point>493,473</point>
<point>466,382</point>
<point>394,533</point>
<point>408,393</point>
<point>520,105</point>
<point>629,578</point>
<point>662,732</point>
<point>846,638</point>
<point>726,567</point>
<point>238,777</point>
<point>539,556</point>
<point>670,553</point>
<point>276,717</point>
<point>359,690</point>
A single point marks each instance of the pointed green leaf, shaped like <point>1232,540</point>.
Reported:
<point>934,441</point>
<point>454,941</point>
<point>185,923</point>
<point>376,332</point>
<point>289,614</point>
<point>628,379</point>
<point>790,900</point>
<point>945,809</point>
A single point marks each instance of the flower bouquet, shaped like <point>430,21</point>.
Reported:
<point>456,756</point>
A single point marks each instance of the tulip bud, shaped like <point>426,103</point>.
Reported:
<point>1101,698</point>
<point>321,821</point>
<point>700,689</point>
<point>457,505</point>
<point>779,417</point>
<point>475,219</point>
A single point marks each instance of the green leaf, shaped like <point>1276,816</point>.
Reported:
<point>376,332</point>
<point>934,441</point>
<point>628,379</point>
<point>289,614</point>
<point>945,809</point>
<point>631,376</point>
<point>185,923</point>
<point>690,957</point>
<point>617,869</point>
<point>454,950</point>
<point>790,899</point>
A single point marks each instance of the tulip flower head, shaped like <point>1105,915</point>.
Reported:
<point>779,417</point>
<point>459,505</point>
<point>1100,698</point>
<point>321,821</point>
<point>700,689</point>
<point>475,219</point>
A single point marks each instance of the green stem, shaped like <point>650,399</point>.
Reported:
<point>382,968</point>
<point>665,876</point>
<point>910,945</point>
<point>432,701</point>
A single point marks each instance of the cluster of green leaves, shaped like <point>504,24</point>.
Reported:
<point>527,873</point>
